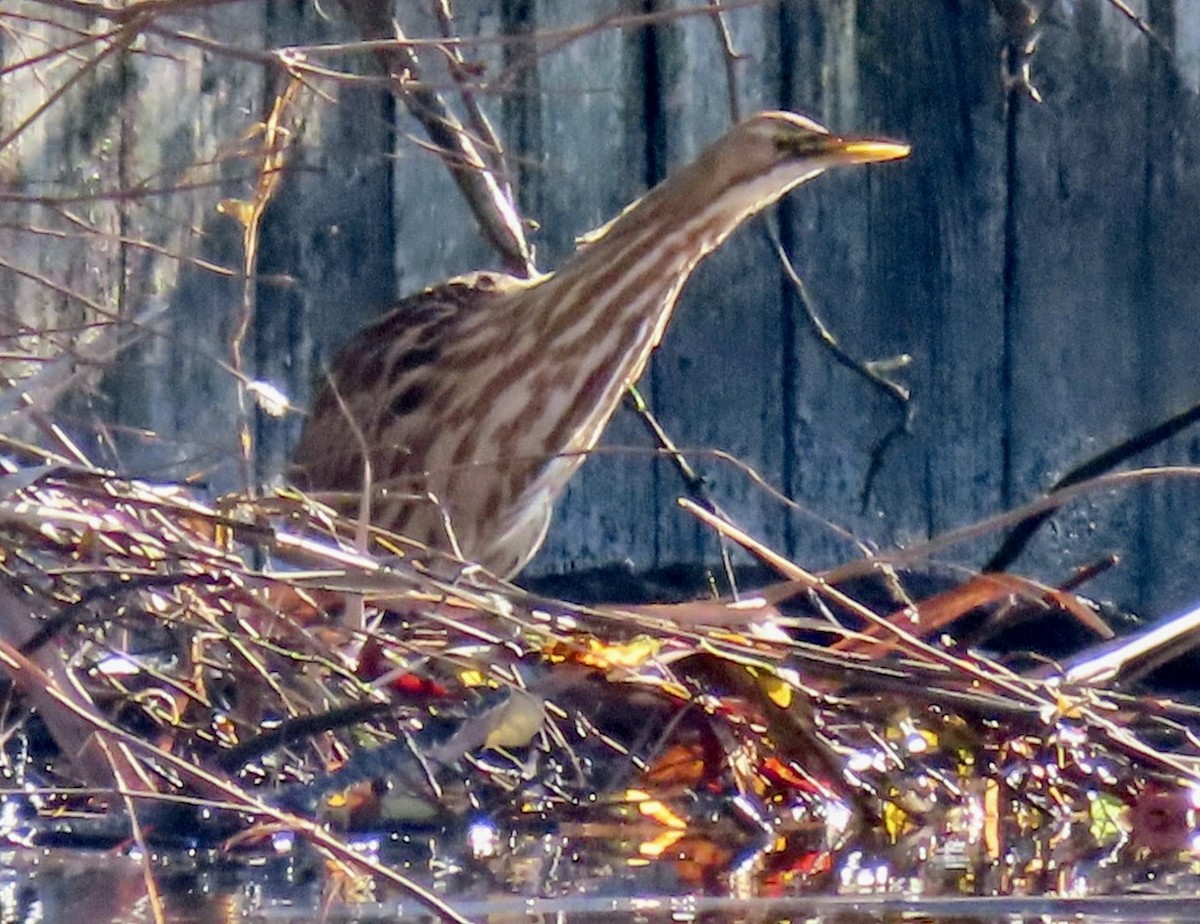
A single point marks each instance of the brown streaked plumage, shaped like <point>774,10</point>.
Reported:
<point>486,392</point>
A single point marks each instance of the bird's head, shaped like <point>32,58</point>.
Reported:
<point>755,163</point>
<point>788,137</point>
<point>772,152</point>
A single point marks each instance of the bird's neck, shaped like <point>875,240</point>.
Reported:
<point>580,337</point>
<point>603,313</point>
<point>623,282</point>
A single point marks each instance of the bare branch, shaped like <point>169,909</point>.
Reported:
<point>495,212</point>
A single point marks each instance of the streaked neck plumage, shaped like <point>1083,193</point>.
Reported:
<point>630,272</point>
<point>627,277</point>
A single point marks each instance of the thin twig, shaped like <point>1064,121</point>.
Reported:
<point>490,147</point>
<point>998,678</point>
<point>134,11</point>
<point>693,482</point>
<point>870,371</point>
<point>730,56</point>
<point>479,185</point>
<point>117,41</point>
<point>1143,27</point>
<point>1014,543</point>
<point>58,51</point>
<point>278,136</point>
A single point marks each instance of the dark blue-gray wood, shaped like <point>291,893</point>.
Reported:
<point>1037,260</point>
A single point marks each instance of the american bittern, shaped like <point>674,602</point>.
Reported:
<point>468,407</point>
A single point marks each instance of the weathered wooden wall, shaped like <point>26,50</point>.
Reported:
<point>1038,261</point>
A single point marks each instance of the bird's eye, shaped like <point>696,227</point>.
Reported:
<point>789,143</point>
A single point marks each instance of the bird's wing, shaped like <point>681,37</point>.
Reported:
<point>372,394</point>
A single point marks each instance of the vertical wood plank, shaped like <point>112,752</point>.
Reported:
<point>591,162</point>
<point>330,232</point>
<point>716,379</point>
<point>1169,533</point>
<point>172,396</point>
<point>1083,327</point>
<point>893,256</point>
<point>934,267</point>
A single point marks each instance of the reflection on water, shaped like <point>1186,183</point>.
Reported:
<point>573,879</point>
<point>983,858</point>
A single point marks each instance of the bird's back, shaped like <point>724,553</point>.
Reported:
<point>382,395</point>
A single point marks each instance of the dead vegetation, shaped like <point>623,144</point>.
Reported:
<point>183,671</point>
<point>198,687</point>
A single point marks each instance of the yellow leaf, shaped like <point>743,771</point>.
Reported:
<point>516,724</point>
<point>238,209</point>
<point>659,846</point>
<point>778,691</point>
<point>661,813</point>
<point>633,653</point>
<point>895,820</point>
